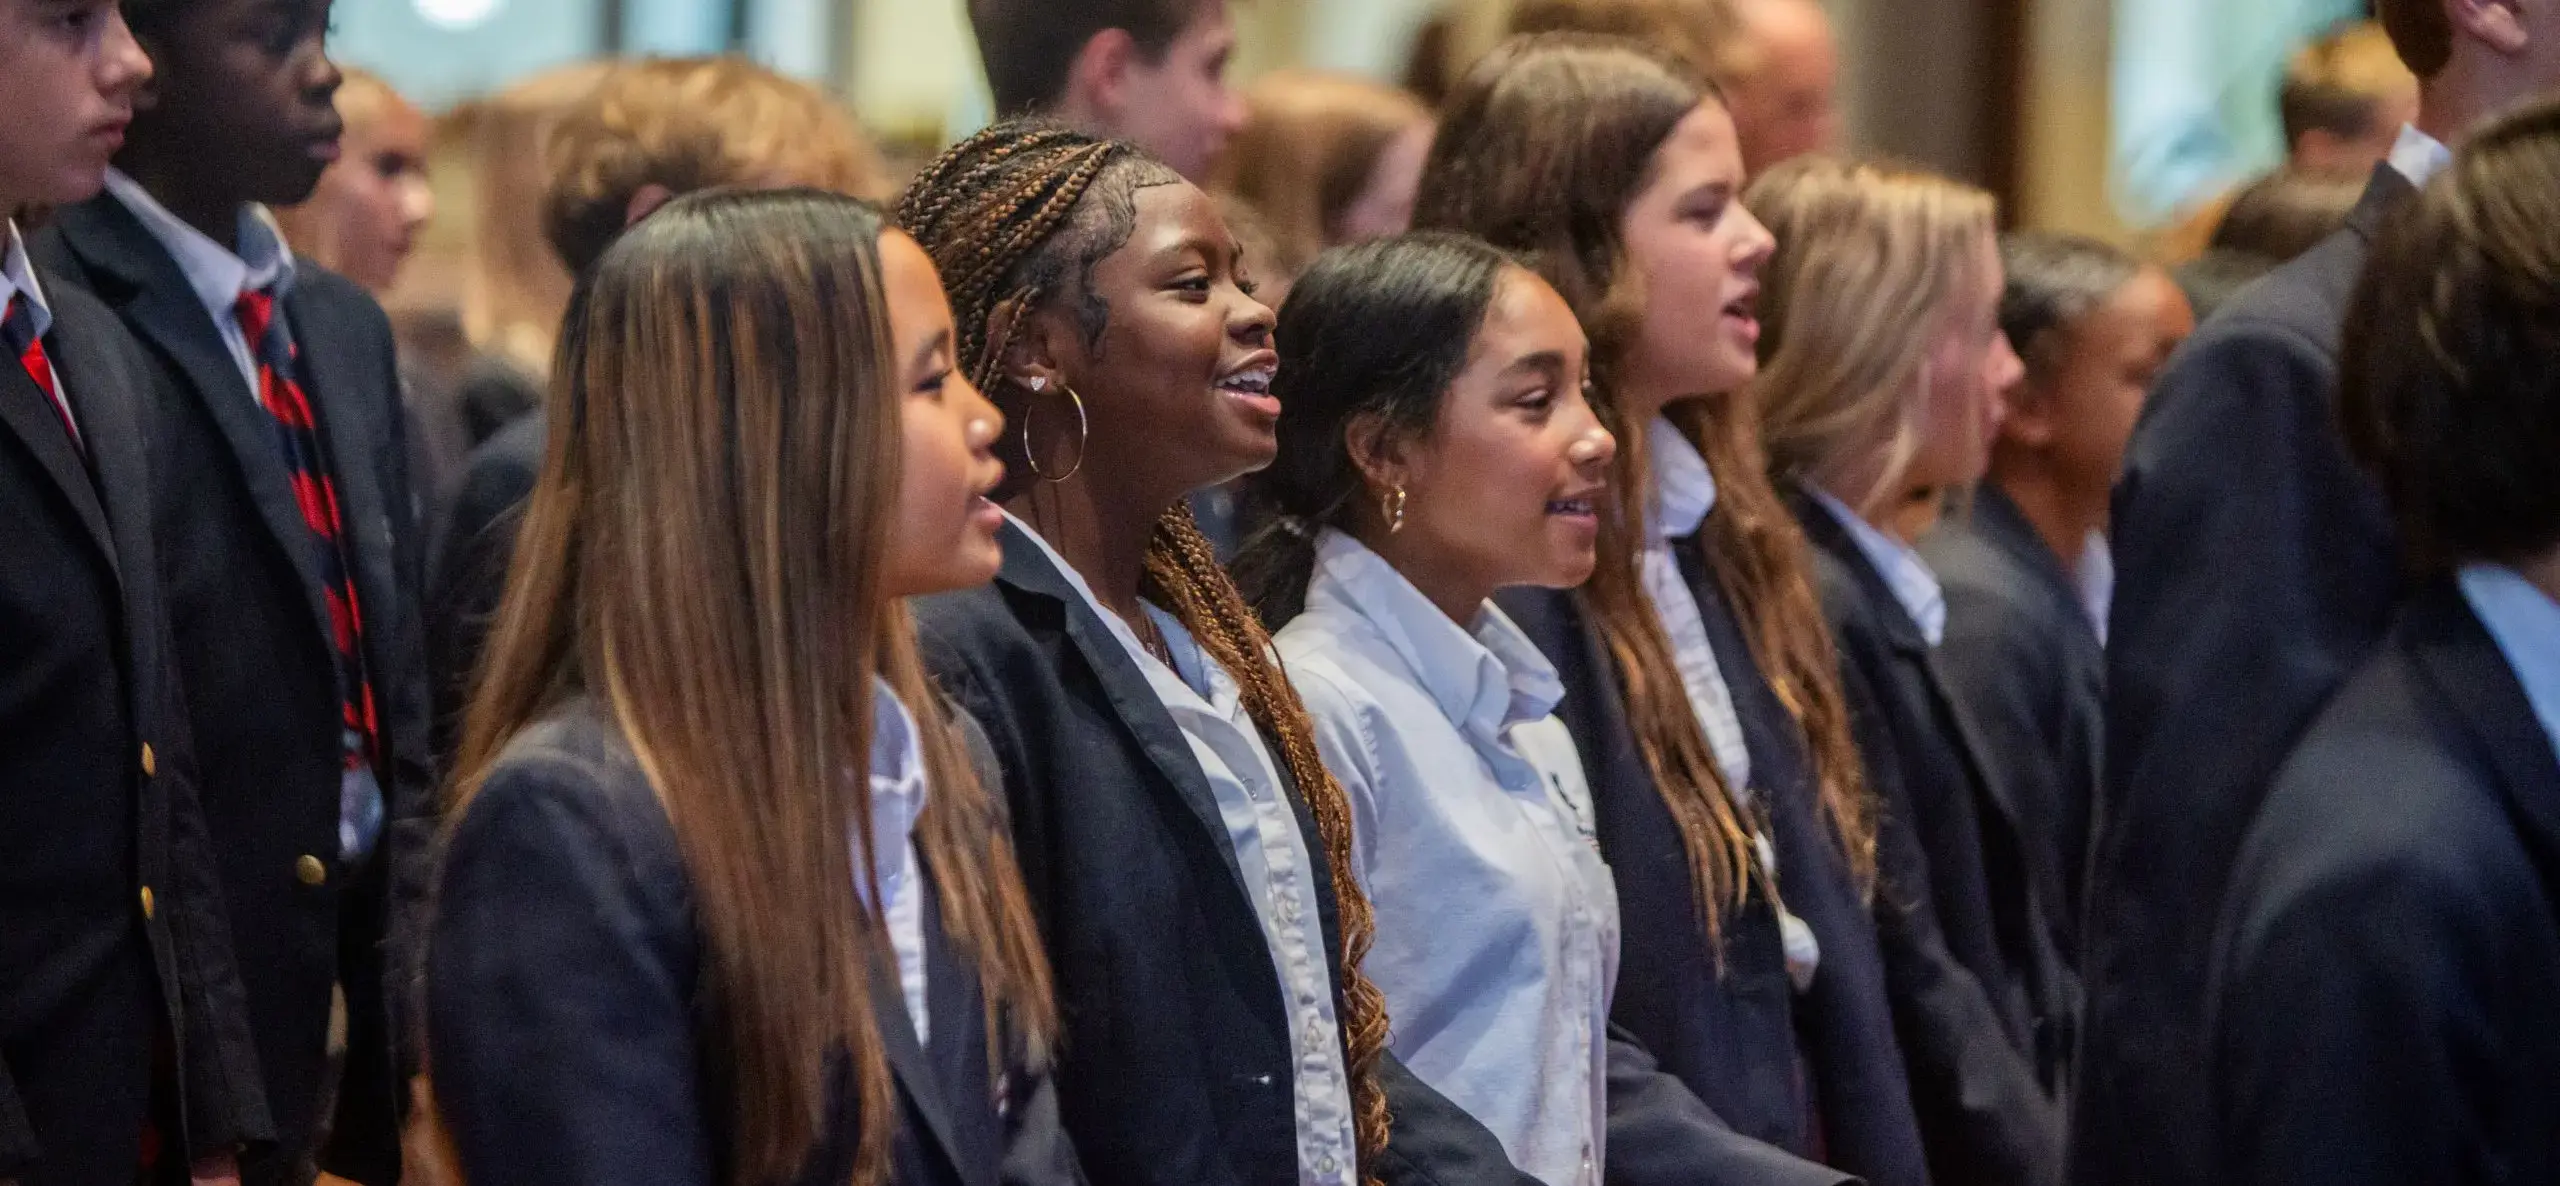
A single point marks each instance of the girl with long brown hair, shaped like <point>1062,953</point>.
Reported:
<point>1184,845</point>
<point>1701,685</point>
<point>726,899</point>
<point>1879,390</point>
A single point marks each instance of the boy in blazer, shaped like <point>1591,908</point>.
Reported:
<point>124,1051</point>
<point>280,465</point>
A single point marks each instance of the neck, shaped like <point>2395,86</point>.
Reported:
<point>1448,587</point>
<point>216,215</point>
<point>1079,112</point>
<point>1103,534</point>
<point>1906,512</point>
<point>1642,404</point>
<point>2062,515</point>
<point>2472,87</point>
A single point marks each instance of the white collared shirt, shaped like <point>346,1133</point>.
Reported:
<point>2419,156</point>
<point>898,791</point>
<point>219,276</point>
<point>1497,918</point>
<point>1915,585</point>
<point>2095,580</point>
<point>2525,622</point>
<point>18,281</point>
<point>1262,828</point>
<point>1684,491</point>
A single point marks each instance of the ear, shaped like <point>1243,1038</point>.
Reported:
<point>1034,357</point>
<point>1379,455</point>
<point>1098,80</point>
<point>2498,24</point>
<point>2318,150</point>
<point>645,202</point>
<point>2033,420</point>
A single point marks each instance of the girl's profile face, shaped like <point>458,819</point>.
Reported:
<point>1968,371</point>
<point>1699,254</point>
<point>1507,487</point>
<point>945,536</point>
<point>2109,358</point>
<point>1170,352</point>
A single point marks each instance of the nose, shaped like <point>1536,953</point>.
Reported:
<point>417,202</point>
<point>1251,322</point>
<point>1755,244</point>
<point>979,412</point>
<point>123,66</point>
<point>1232,113</point>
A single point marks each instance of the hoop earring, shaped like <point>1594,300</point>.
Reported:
<point>1392,506</point>
<point>1084,429</point>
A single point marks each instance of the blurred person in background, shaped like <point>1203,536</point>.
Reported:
<point>1693,31</point>
<point>2025,568</point>
<point>1780,67</point>
<point>364,217</point>
<point>2272,220</point>
<point>1151,72</point>
<point>1324,159</point>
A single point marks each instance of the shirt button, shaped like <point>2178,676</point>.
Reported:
<point>147,905</point>
<point>308,870</point>
<point>150,762</point>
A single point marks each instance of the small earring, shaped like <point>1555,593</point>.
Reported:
<point>1393,507</point>
<point>1038,384</point>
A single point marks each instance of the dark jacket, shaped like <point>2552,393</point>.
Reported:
<point>254,651</point>
<point>1982,1002</point>
<point>2026,665</point>
<point>1177,1067</point>
<point>112,932</point>
<point>2385,1003</point>
<point>1818,1075</point>
<point>2254,570</point>
<point>564,995</point>
<point>475,541</point>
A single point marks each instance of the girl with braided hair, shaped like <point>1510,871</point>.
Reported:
<point>1184,846</point>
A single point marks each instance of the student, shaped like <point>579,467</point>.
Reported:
<point>1617,174</point>
<point>1781,66</point>
<point>2024,567</point>
<point>671,931</point>
<point>645,133</point>
<point>281,467</point>
<point>111,928</point>
<point>1435,447</point>
<point>1184,846</point>
<point>2269,222</point>
<point>1151,72</point>
<point>1325,159</point>
<point>2255,568</point>
<point>2385,995</point>
<point>1882,361</point>
<point>363,219</point>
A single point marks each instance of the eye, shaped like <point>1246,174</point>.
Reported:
<point>1538,401</point>
<point>1193,285</point>
<point>933,384</point>
<point>1248,285</point>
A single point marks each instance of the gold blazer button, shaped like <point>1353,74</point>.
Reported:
<point>310,871</point>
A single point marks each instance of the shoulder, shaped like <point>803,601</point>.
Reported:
<point>569,784</point>
<point>350,309</point>
<point>973,631</point>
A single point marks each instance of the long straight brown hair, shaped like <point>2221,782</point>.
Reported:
<point>703,553</point>
<point>1004,214</point>
<point>1542,148</point>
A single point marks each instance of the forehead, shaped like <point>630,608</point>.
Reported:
<point>1701,148</point>
<point>1526,316</point>
<point>1170,217</point>
<point>912,285</point>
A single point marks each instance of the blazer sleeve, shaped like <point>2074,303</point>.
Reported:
<point>1662,1134</point>
<point>560,988</point>
<point>2010,681</point>
<point>1970,1082</point>
<point>1433,1142</point>
<point>226,1094</point>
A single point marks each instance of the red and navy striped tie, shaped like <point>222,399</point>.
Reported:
<point>18,327</point>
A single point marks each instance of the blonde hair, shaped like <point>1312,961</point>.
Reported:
<point>1852,304</point>
<point>1307,152</point>
<point>515,289</point>
<point>2338,83</point>
<point>688,124</point>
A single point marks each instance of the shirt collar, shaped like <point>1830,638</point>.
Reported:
<point>1485,678</point>
<point>1914,584</point>
<point>2419,156</point>
<point>1684,489</point>
<point>18,278</point>
<point>1191,670</point>
<point>219,275</point>
<point>2526,624</point>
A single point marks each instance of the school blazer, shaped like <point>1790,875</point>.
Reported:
<point>1983,1003</point>
<point>564,997</point>
<point>254,653</point>
<point>112,931</point>
<point>1177,1066</point>
<point>2385,1004</point>
<point>1818,1075</point>
<point>2026,666</point>
<point>474,544</point>
<point>2255,567</point>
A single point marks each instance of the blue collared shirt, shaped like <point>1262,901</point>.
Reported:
<point>2526,624</point>
<point>1207,705</point>
<point>219,275</point>
<point>1497,919</point>
<point>1915,585</point>
<point>898,791</point>
<point>2418,156</point>
<point>1684,491</point>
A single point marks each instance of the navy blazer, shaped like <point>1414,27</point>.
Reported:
<point>1818,1075</point>
<point>112,932</point>
<point>2026,665</point>
<point>2254,569</point>
<point>2386,995</point>
<point>1983,1002</point>
<point>1177,1066</point>
<point>564,996</point>
<point>474,544</point>
<point>255,652</point>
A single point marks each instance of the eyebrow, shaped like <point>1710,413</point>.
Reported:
<point>1548,362</point>
<point>938,344</point>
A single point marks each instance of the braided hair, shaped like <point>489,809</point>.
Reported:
<point>1015,218</point>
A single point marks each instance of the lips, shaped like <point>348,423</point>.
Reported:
<point>1250,383</point>
<point>1744,312</point>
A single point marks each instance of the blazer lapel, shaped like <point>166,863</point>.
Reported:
<point>156,300</point>
<point>1027,568</point>
<point>2469,670</point>
<point>26,412</point>
<point>906,1055</point>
